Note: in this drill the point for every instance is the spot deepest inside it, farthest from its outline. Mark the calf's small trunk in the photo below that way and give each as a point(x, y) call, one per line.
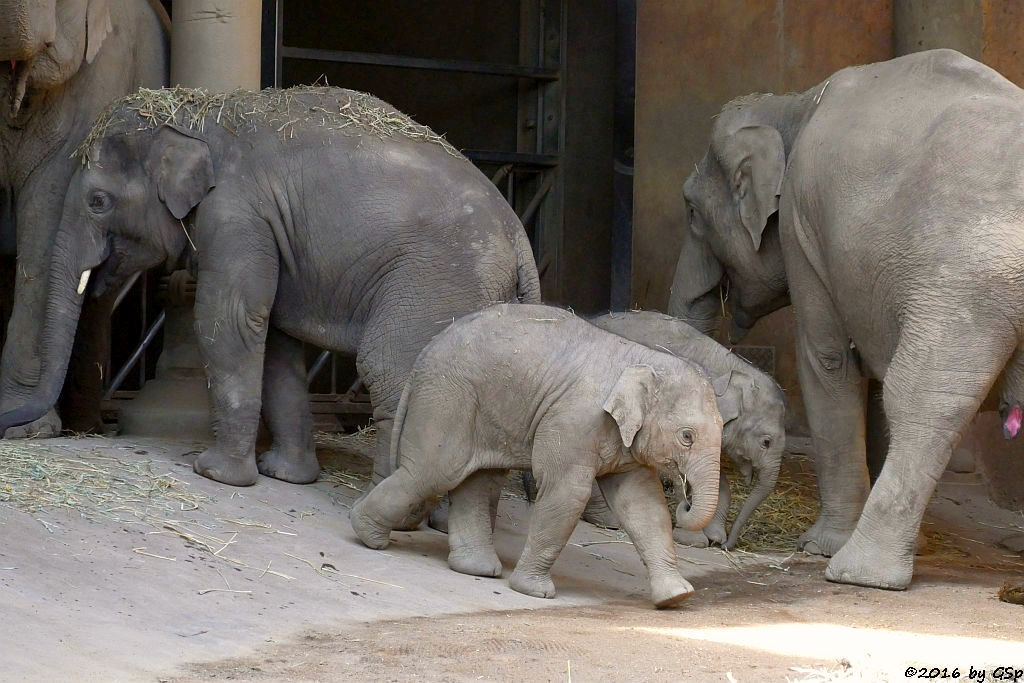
point(765, 485)
point(701, 472)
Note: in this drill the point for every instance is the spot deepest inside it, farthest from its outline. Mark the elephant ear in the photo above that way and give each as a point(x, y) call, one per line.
point(97, 26)
point(728, 395)
point(183, 170)
point(754, 160)
point(627, 402)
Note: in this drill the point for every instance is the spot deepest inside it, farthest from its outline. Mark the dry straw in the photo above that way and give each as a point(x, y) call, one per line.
point(242, 112)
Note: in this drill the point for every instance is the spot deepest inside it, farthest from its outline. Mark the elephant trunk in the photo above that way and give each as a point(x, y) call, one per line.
point(765, 485)
point(701, 473)
point(63, 305)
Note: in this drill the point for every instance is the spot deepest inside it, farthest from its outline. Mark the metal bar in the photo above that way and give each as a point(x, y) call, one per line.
point(124, 290)
point(500, 174)
point(520, 159)
point(136, 354)
point(430, 64)
point(318, 365)
point(279, 40)
point(535, 201)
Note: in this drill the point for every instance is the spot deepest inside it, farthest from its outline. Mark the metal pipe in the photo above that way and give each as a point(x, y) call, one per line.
point(401, 62)
point(124, 290)
point(318, 365)
point(534, 204)
point(139, 350)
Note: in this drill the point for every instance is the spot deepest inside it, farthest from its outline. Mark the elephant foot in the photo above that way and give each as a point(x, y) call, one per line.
point(863, 563)
point(475, 561)
point(46, 427)
point(695, 539)
point(669, 589)
point(822, 540)
point(438, 519)
point(531, 584)
point(372, 534)
point(715, 533)
point(227, 469)
point(300, 467)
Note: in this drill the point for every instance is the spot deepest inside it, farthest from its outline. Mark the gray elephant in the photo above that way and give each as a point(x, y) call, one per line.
point(314, 214)
point(886, 203)
point(61, 63)
point(752, 406)
point(535, 387)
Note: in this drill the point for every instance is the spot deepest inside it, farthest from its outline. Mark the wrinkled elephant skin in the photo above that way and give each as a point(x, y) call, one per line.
point(534, 387)
point(61, 63)
point(884, 202)
point(307, 220)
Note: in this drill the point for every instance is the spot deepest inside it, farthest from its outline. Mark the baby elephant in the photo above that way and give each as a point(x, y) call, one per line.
point(752, 405)
point(534, 387)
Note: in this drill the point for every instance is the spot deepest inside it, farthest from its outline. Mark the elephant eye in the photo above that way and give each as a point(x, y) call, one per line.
point(100, 202)
point(766, 443)
point(686, 437)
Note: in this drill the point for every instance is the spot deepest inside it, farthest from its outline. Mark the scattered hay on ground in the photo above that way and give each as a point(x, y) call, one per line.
point(36, 477)
point(788, 512)
point(247, 111)
point(346, 460)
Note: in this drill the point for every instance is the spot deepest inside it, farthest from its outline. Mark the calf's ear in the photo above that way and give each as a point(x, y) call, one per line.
point(182, 169)
point(628, 401)
point(728, 395)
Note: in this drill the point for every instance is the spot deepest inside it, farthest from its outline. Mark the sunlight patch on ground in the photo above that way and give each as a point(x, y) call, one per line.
point(891, 652)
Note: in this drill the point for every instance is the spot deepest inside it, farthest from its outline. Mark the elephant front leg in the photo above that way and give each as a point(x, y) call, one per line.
point(471, 514)
point(234, 295)
point(637, 499)
point(562, 494)
point(292, 456)
point(831, 384)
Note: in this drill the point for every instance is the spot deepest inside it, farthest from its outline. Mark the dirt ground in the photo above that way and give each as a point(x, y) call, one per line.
point(121, 564)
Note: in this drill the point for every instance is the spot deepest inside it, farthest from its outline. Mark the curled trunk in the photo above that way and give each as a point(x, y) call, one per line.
point(695, 297)
point(701, 472)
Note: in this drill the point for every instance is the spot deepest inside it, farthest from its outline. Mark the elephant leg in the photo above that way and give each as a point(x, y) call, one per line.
point(234, 297)
point(876, 430)
point(598, 512)
point(562, 494)
point(292, 455)
point(831, 384)
point(933, 387)
point(390, 503)
point(471, 516)
point(638, 501)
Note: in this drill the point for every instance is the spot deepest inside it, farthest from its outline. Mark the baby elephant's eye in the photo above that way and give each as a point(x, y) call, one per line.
point(686, 437)
point(100, 202)
point(766, 443)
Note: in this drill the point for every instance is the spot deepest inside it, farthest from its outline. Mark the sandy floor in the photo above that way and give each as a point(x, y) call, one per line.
point(173, 577)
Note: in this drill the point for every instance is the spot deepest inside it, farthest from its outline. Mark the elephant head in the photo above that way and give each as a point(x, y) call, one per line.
point(668, 419)
point(44, 42)
point(753, 435)
point(122, 214)
point(732, 200)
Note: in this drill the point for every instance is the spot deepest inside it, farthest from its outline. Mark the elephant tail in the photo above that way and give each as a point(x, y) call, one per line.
point(396, 429)
point(527, 280)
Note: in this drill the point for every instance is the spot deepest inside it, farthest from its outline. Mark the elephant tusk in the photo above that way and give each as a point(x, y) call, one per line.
point(85, 280)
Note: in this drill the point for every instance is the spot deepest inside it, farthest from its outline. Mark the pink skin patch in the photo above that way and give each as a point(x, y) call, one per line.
point(1013, 421)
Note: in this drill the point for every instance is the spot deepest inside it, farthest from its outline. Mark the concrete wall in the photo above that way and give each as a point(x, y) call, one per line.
point(694, 56)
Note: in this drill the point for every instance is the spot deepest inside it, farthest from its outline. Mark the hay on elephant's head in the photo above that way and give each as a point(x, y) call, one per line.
point(247, 111)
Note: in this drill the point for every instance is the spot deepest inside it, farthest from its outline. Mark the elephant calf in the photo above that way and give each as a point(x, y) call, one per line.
point(752, 405)
point(534, 387)
point(312, 214)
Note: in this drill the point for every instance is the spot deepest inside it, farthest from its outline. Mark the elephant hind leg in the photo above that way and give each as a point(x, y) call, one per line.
point(474, 505)
point(292, 456)
point(389, 504)
point(932, 389)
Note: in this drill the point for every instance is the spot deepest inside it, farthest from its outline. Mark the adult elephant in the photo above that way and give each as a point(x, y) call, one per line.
point(61, 63)
point(888, 203)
